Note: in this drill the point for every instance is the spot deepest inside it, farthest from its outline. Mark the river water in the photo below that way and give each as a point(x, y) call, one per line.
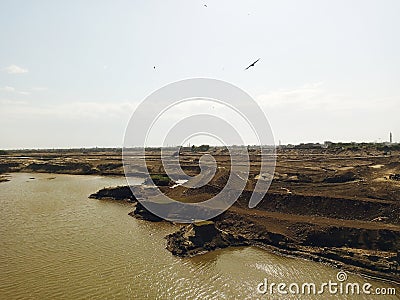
point(55, 243)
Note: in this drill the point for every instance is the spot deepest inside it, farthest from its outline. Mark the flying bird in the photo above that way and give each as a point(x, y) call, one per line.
point(252, 65)
point(205, 5)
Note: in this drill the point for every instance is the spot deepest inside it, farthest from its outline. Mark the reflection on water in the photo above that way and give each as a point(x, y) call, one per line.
point(57, 243)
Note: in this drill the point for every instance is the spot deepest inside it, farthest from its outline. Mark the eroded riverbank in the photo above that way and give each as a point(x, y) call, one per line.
point(357, 245)
point(57, 243)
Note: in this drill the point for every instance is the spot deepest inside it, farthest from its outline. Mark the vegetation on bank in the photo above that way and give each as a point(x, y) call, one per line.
point(390, 147)
point(352, 146)
point(201, 148)
point(161, 180)
point(360, 146)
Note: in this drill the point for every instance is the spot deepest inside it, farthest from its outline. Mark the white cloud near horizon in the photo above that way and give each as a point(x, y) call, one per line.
point(10, 89)
point(306, 95)
point(14, 69)
point(7, 89)
point(67, 111)
point(8, 102)
point(315, 96)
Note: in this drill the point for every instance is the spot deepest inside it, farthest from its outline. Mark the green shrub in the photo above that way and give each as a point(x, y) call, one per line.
point(201, 148)
point(161, 180)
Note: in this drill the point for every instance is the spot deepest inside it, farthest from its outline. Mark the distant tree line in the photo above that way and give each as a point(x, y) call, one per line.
point(201, 148)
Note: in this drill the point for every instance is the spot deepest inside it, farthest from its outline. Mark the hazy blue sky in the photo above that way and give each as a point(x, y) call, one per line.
point(71, 72)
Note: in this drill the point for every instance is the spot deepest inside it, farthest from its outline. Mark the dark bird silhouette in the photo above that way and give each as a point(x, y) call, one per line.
point(252, 65)
point(205, 5)
point(154, 67)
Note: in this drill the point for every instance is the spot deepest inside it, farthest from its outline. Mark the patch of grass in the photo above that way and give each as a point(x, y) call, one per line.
point(160, 179)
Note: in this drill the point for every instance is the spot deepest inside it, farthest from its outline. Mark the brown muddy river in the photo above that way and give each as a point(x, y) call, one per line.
point(55, 243)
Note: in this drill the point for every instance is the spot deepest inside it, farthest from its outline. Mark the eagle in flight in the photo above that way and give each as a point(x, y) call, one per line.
point(252, 65)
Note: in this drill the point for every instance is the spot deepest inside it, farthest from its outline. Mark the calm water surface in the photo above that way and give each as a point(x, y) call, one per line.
point(55, 243)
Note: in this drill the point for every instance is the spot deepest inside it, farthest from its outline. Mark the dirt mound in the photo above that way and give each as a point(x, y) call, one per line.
point(342, 177)
point(110, 168)
point(332, 207)
point(336, 236)
point(67, 167)
point(9, 167)
point(115, 193)
point(142, 213)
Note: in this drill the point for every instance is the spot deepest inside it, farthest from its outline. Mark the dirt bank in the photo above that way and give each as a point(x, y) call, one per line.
point(359, 244)
point(3, 178)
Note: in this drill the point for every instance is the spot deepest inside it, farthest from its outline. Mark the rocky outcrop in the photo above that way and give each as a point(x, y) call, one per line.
point(142, 213)
point(201, 237)
point(124, 193)
point(115, 193)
